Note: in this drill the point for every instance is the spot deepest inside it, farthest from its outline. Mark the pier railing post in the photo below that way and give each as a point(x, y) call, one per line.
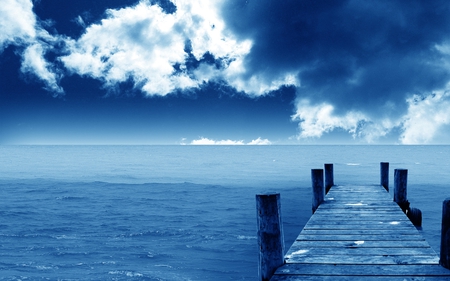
point(318, 188)
point(384, 175)
point(329, 177)
point(400, 188)
point(445, 235)
point(270, 234)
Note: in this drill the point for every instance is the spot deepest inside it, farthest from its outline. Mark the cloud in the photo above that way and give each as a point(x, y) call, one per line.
point(316, 120)
point(260, 141)
point(358, 63)
point(34, 62)
point(163, 52)
point(319, 119)
point(17, 22)
point(425, 117)
point(370, 69)
point(21, 28)
point(206, 141)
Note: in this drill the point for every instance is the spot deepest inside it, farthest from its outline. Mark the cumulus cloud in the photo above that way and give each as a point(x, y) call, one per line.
point(425, 117)
point(260, 141)
point(161, 52)
point(17, 22)
point(316, 120)
point(206, 141)
point(20, 27)
point(34, 62)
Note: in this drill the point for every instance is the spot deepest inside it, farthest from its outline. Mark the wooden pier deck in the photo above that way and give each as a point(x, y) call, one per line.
point(359, 233)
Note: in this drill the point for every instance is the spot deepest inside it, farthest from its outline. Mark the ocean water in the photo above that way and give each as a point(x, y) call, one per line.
point(177, 212)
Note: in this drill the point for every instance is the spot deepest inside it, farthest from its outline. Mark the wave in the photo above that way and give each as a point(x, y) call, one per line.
point(244, 237)
point(71, 198)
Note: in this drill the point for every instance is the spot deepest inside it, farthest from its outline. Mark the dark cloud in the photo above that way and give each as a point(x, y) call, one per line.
point(353, 54)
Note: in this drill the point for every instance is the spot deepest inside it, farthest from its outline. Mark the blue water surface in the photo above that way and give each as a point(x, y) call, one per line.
point(176, 212)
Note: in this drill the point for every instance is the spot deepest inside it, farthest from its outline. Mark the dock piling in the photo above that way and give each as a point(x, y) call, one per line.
point(270, 234)
point(445, 235)
point(329, 177)
point(400, 197)
point(318, 188)
point(400, 188)
point(384, 175)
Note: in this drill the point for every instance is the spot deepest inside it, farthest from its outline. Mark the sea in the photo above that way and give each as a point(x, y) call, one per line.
point(178, 212)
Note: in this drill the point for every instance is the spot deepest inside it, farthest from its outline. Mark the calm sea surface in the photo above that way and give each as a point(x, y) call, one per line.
point(177, 212)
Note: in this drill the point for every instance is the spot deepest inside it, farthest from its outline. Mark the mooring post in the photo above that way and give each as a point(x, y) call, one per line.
point(270, 234)
point(329, 177)
point(400, 197)
point(400, 188)
point(445, 235)
point(384, 175)
point(318, 188)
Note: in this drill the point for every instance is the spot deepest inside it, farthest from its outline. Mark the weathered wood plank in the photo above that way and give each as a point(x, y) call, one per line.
point(362, 213)
point(368, 195)
point(368, 211)
point(320, 220)
point(361, 260)
point(357, 278)
point(357, 200)
point(351, 237)
point(358, 221)
point(357, 205)
point(367, 192)
point(370, 233)
point(362, 270)
point(361, 244)
point(298, 250)
point(355, 227)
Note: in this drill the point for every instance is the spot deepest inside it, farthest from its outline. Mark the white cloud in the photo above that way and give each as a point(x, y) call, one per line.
point(34, 62)
point(142, 43)
point(422, 124)
point(256, 84)
point(19, 26)
point(260, 141)
point(317, 120)
point(425, 117)
point(17, 22)
point(206, 141)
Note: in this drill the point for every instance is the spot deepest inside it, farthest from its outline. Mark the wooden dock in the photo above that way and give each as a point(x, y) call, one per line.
point(359, 233)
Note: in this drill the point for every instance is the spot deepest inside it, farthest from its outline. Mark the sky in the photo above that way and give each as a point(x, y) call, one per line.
point(253, 72)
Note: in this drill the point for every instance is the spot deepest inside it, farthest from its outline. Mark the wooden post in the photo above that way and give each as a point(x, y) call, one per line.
point(415, 216)
point(329, 177)
point(270, 234)
point(384, 175)
point(445, 235)
point(318, 188)
point(400, 188)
